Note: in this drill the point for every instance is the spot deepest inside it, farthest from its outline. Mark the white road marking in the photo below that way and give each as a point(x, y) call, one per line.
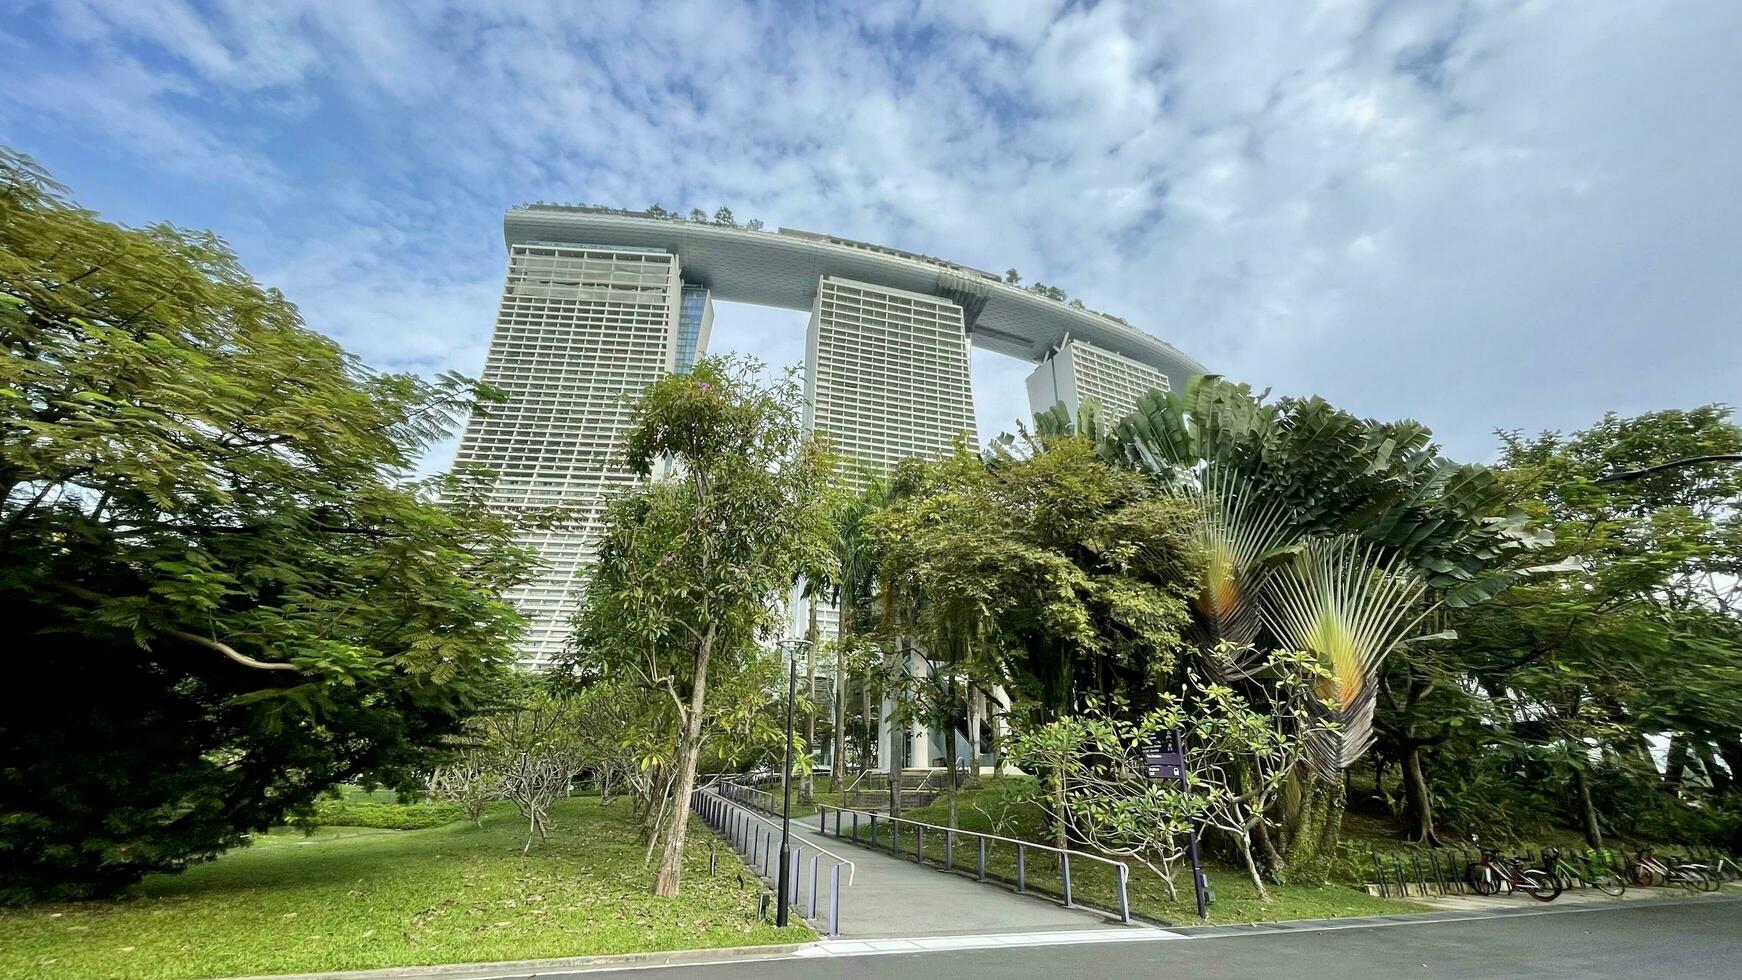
point(880, 947)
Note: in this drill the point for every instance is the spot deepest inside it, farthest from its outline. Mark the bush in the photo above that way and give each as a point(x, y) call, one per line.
point(385, 816)
point(222, 591)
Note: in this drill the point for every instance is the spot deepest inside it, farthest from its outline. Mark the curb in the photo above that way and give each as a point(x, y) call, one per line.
point(503, 970)
point(1439, 915)
point(565, 964)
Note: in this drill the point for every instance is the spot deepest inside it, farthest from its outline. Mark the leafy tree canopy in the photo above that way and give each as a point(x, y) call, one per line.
point(225, 589)
point(681, 600)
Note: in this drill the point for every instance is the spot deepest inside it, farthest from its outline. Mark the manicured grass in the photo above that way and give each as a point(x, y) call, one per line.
point(1005, 807)
point(351, 898)
point(386, 816)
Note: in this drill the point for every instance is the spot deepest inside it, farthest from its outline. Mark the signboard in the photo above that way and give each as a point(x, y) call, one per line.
point(1162, 758)
point(1162, 765)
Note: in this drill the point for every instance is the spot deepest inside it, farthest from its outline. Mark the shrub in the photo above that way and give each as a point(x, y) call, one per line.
point(385, 816)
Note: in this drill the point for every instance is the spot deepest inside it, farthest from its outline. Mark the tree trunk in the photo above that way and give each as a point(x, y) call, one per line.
point(950, 748)
point(867, 758)
point(1416, 799)
point(1060, 803)
point(992, 723)
point(1244, 843)
point(1675, 763)
point(808, 789)
point(1272, 858)
point(689, 753)
point(838, 768)
point(1587, 810)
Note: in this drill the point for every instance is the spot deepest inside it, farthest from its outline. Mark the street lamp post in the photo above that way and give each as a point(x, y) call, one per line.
point(782, 898)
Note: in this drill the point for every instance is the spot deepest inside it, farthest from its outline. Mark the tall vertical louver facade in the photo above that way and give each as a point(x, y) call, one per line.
point(1078, 370)
point(580, 332)
point(599, 302)
point(886, 379)
point(886, 375)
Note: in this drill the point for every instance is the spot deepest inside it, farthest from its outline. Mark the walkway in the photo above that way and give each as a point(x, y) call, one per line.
point(892, 896)
point(896, 897)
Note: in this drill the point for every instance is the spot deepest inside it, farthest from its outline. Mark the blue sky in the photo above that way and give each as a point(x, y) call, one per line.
point(1476, 214)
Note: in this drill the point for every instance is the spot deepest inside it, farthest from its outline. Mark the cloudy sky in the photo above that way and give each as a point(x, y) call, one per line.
point(1476, 214)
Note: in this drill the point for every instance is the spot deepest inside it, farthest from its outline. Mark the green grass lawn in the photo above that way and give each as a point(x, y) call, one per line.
point(353, 898)
point(1006, 807)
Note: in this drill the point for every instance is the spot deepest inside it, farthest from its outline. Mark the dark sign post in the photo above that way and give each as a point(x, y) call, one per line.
point(1164, 758)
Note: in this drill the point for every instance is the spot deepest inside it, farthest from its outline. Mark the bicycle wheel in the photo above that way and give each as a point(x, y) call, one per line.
point(1644, 875)
point(1609, 883)
point(1541, 885)
point(1685, 877)
point(1701, 879)
point(1483, 881)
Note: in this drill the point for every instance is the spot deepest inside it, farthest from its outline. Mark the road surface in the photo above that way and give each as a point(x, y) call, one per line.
point(1693, 939)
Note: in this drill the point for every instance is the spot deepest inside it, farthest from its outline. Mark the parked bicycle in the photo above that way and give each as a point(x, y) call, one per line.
point(1591, 869)
point(1492, 873)
point(1648, 869)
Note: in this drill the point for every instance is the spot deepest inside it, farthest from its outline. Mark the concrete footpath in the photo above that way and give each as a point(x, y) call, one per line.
point(892, 896)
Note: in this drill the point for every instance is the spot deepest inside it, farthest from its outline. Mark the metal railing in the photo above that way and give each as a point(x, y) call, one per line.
point(870, 821)
point(761, 799)
point(758, 839)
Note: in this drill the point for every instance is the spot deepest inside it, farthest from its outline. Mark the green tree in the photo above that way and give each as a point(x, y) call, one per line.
point(1328, 532)
point(679, 599)
point(1098, 789)
point(852, 586)
point(1325, 533)
point(1040, 567)
point(211, 543)
point(1643, 640)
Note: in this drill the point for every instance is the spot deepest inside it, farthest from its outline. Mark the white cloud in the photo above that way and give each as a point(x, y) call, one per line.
point(1477, 214)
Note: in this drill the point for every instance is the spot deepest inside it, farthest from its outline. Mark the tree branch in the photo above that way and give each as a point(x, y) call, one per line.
point(232, 653)
point(180, 634)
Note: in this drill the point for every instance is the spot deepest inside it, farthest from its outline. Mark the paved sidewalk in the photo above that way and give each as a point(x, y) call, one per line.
point(892, 896)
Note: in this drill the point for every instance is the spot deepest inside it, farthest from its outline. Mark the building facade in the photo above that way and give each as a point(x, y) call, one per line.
point(886, 376)
point(580, 331)
point(599, 303)
point(1079, 370)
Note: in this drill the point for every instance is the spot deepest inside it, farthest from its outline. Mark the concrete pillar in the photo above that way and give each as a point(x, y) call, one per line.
point(921, 754)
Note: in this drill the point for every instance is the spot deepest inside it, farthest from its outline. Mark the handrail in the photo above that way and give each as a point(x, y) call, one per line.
point(950, 833)
point(754, 837)
point(851, 867)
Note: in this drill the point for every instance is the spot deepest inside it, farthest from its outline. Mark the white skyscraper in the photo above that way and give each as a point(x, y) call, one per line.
point(600, 302)
point(581, 331)
point(886, 378)
point(886, 374)
point(1079, 370)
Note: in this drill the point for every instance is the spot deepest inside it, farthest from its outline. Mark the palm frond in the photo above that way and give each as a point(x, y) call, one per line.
point(1350, 603)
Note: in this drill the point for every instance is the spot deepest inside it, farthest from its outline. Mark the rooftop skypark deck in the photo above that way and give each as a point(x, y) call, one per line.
point(782, 269)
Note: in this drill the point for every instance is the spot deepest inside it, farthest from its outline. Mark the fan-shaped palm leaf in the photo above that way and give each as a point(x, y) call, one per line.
point(1239, 529)
point(1350, 603)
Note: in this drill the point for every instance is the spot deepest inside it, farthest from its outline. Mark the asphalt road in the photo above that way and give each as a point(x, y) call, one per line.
point(1669, 940)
